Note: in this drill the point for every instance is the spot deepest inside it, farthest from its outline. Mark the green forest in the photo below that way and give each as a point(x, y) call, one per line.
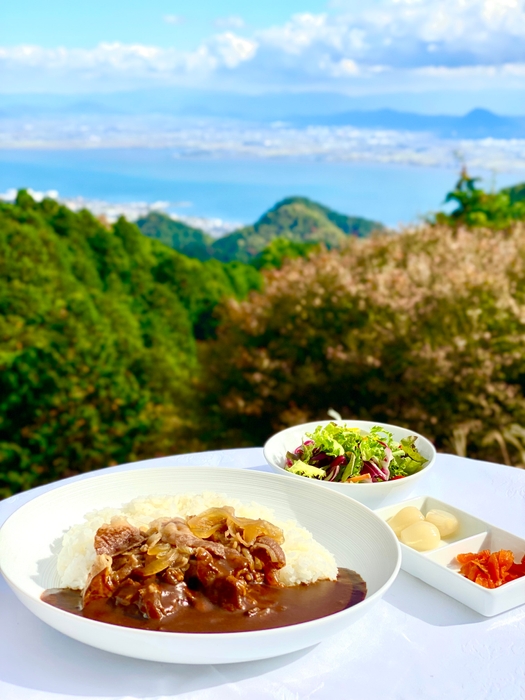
point(130, 341)
point(99, 329)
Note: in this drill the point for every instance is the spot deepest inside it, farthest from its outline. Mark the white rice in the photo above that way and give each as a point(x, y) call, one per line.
point(306, 560)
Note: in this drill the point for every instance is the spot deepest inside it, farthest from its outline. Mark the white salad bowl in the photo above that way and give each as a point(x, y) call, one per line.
point(372, 495)
point(356, 536)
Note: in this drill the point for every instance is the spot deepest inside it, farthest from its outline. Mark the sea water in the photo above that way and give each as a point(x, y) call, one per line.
point(235, 189)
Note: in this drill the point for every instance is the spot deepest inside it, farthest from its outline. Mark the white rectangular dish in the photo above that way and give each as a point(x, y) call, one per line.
point(440, 569)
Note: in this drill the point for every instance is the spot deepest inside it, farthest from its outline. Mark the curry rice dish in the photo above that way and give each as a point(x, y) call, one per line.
point(219, 571)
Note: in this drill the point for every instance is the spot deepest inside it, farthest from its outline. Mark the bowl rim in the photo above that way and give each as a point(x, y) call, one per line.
point(357, 423)
point(157, 634)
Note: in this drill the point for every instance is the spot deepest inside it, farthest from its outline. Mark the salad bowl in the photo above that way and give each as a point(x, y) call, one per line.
point(371, 494)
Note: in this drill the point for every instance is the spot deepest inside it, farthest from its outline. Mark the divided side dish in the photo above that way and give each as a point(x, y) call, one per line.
point(440, 569)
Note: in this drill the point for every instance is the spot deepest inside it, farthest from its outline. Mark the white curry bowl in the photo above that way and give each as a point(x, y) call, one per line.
point(355, 535)
point(372, 495)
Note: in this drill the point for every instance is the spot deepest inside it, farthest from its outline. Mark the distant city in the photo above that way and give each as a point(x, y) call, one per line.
point(315, 126)
point(228, 138)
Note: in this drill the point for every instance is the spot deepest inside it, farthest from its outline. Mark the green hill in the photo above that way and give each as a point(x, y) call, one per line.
point(296, 219)
point(97, 340)
point(179, 236)
point(516, 193)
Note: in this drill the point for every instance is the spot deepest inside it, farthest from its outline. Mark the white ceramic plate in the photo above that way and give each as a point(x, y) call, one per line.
point(372, 495)
point(358, 538)
point(440, 569)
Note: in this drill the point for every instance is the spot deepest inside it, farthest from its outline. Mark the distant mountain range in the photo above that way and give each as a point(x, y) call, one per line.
point(296, 219)
point(478, 123)
point(296, 109)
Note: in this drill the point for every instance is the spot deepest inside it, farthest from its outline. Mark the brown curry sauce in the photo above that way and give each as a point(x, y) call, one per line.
point(273, 607)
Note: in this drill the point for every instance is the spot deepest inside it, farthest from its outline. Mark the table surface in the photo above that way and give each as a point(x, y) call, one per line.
point(415, 643)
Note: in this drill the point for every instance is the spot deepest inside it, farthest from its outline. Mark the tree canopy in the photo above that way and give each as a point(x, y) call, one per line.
point(176, 234)
point(424, 329)
point(98, 332)
point(477, 208)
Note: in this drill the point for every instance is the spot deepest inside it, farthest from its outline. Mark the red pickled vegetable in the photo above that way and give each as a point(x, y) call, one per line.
point(491, 569)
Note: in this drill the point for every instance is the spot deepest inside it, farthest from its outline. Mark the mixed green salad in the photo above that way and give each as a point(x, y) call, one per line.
point(341, 453)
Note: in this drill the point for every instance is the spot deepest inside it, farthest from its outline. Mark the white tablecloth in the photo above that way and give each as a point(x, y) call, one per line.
point(416, 643)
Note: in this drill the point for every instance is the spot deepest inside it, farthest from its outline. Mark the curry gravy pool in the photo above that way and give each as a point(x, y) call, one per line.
point(274, 607)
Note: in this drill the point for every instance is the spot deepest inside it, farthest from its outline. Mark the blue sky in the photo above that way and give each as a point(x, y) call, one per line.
point(162, 23)
point(378, 47)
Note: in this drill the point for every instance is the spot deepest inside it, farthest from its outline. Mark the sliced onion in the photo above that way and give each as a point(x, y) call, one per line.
point(159, 564)
point(372, 469)
point(213, 519)
point(382, 466)
point(257, 528)
point(160, 549)
point(335, 466)
point(154, 567)
point(387, 458)
point(339, 460)
point(333, 472)
point(205, 524)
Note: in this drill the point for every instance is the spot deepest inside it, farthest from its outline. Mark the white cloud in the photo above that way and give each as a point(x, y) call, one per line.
point(173, 19)
point(398, 44)
point(301, 32)
point(401, 44)
point(473, 72)
point(233, 49)
point(232, 22)
point(115, 59)
point(411, 33)
point(345, 67)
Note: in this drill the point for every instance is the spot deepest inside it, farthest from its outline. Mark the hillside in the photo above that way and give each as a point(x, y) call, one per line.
point(179, 236)
point(516, 193)
point(97, 340)
point(296, 219)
